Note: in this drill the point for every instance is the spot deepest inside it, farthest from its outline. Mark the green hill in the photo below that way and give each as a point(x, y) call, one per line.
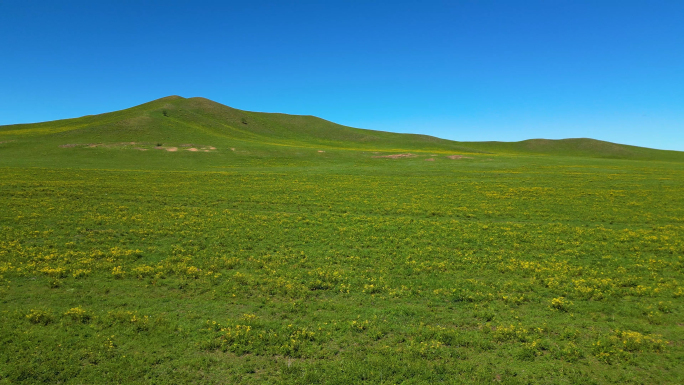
point(580, 147)
point(174, 120)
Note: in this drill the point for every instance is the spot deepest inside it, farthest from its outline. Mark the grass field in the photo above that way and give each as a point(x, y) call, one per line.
point(292, 250)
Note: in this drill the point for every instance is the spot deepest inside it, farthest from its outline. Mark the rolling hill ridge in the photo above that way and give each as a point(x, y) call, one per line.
point(174, 120)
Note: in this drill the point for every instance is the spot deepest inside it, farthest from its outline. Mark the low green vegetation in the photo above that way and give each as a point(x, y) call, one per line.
point(292, 257)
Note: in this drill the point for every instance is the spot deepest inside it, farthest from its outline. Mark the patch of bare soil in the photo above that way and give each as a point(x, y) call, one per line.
point(72, 145)
point(321, 151)
point(396, 156)
point(109, 145)
point(430, 159)
point(201, 149)
point(112, 145)
point(232, 149)
point(141, 146)
point(206, 148)
point(459, 157)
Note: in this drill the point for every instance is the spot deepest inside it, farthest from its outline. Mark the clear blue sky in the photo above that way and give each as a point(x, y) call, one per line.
point(475, 70)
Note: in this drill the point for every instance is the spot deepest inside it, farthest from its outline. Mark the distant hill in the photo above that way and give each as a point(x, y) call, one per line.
point(581, 147)
point(191, 120)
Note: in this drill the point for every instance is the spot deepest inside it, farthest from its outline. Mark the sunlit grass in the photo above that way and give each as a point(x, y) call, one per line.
point(482, 271)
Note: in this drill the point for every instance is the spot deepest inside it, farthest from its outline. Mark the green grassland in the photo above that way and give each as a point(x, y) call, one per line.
point(288, 249)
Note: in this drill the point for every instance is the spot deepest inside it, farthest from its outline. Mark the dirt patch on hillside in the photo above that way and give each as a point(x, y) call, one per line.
point(396, 156)
point(202, 149)
point(141, 146)
point(94, 145)
point(459, 157)
point(430, 159)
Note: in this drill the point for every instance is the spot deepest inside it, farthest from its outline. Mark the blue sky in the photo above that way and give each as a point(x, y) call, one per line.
point(472, 70)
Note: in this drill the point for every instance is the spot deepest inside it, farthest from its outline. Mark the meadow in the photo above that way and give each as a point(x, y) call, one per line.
point(293, 266)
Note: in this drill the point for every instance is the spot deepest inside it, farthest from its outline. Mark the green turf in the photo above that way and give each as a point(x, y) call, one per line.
point(266, 261)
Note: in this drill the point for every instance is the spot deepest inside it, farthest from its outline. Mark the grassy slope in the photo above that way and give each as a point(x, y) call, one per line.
point(347, 268)
point(199, 120)
point(577, 147)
